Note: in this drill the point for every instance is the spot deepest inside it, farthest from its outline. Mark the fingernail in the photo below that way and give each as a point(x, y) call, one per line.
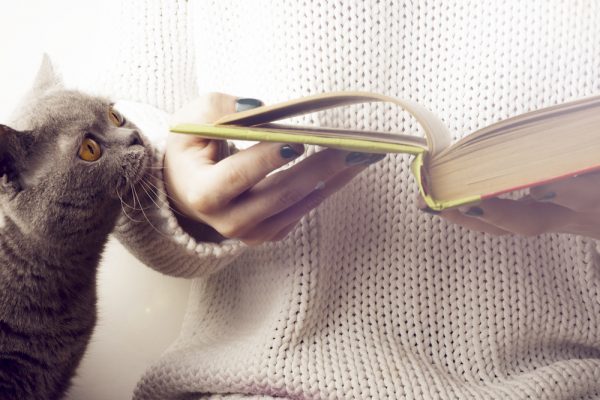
point(472, 211)
point(430, 211)
point(357, 158)
point(287, 151)
point(547, 197)
point(247, 103)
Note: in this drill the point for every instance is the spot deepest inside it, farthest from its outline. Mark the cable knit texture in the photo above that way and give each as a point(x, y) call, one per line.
point(369, 298)
point(154, 53)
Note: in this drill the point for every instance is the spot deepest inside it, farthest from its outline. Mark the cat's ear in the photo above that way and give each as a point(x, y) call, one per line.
point(10, 150)
point(47, 77)
point(45, 80)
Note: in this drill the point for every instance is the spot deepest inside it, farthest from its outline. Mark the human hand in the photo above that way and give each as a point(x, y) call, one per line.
point(568, 206)
point(238, 195)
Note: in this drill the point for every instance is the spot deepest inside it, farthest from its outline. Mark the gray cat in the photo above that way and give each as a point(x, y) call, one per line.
point(65, 164)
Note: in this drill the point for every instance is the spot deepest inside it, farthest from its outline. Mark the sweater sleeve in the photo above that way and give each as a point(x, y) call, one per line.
point(148, 226)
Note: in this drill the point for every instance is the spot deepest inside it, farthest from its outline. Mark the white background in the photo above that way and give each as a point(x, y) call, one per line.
point(140, 311)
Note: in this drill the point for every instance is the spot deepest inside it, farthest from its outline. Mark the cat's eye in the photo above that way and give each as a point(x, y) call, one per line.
point(115, 117)
point(89, 150)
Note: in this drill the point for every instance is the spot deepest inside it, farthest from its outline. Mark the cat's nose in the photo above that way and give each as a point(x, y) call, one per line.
point(135, 138)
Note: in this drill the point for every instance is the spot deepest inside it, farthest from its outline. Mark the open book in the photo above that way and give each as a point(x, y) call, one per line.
point(524, 151)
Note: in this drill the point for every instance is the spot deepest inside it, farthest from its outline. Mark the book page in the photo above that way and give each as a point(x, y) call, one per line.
point(437, 135)
point(502, 128)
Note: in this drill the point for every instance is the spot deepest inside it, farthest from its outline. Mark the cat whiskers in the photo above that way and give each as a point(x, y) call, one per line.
point(135, 195)
point(123, 208)
point(132, 207)
point(156, 190)
point(146, 186)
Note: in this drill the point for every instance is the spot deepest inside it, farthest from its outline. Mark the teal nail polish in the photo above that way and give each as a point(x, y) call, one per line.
point(474, 212)
point(286, 151)
point(247, 103)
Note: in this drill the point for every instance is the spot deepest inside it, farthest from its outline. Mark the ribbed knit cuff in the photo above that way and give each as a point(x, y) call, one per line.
point(153, 233)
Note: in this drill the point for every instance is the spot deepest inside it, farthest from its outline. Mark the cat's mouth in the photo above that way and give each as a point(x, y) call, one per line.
point(135, 166)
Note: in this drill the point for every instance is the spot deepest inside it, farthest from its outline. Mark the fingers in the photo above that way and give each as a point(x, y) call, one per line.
point(475, 224)
point(240, 196)
point(204, 109)
point(186, 155)
point(567, 206)
point(327, 170)
point(268, 211)
point(455, 216)
point(313, 199)
point(581, 193)
point(284, 232)
point(236, 174)
point(528, 218)
point(280, 224)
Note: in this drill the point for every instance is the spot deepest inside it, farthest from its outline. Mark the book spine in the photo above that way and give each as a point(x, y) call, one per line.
point(419, 171)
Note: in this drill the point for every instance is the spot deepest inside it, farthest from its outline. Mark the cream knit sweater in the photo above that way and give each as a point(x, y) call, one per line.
point(369, 298)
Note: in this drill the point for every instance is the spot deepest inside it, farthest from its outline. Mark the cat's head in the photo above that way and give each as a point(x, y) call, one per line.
point(67, 159)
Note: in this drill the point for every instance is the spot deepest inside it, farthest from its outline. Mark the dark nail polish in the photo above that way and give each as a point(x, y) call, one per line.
point(286, 151)
point(474, 212)
point(357, 158)
point(247, 103)
point(547, 197)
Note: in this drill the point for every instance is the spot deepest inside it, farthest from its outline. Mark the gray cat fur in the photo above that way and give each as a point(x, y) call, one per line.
point(56, 212)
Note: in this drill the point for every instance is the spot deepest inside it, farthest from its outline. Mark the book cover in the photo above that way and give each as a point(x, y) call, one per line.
point(523, 151)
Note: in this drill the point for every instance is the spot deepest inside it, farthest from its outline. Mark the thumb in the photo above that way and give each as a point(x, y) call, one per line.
point(205, 109)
